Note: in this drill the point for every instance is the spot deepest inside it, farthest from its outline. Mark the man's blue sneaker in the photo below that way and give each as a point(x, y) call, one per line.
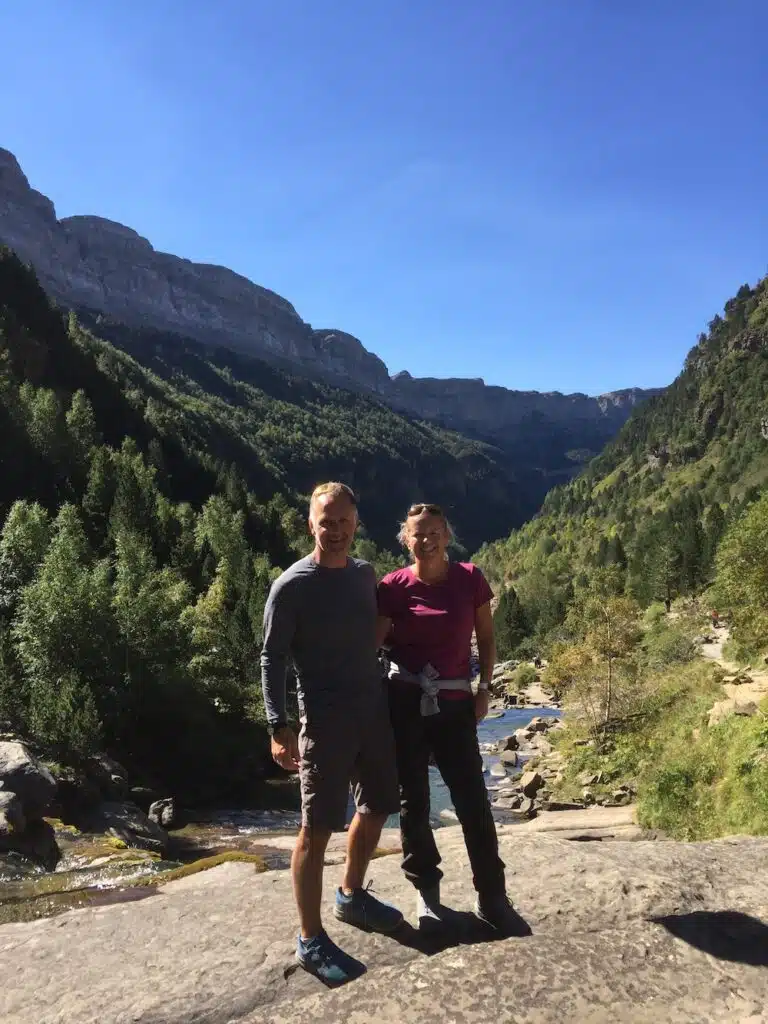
point(363, 910)
point(323, 958)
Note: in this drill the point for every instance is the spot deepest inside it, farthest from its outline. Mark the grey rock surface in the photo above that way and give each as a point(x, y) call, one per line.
point(723, 709)
point(91, 263)
point(622, 931)
point(126, 821)
point(163, 812)
point(11, 813)
point(24, 775)
point(36, 843)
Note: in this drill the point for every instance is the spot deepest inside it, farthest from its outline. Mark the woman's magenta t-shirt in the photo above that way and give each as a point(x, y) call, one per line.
point(432, 623)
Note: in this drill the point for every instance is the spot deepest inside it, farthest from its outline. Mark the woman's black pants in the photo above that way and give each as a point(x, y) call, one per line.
point(451, 737)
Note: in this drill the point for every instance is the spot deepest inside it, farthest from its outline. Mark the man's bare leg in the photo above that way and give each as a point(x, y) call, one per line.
point(307, 876)
point(364, 834)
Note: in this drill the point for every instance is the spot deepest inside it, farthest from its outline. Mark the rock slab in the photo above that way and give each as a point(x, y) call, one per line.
point(641, 931)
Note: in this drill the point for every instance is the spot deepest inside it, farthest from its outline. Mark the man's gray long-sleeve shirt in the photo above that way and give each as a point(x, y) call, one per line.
point(324, 620)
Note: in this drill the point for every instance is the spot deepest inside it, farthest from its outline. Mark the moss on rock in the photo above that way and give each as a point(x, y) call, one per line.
point(204, 863)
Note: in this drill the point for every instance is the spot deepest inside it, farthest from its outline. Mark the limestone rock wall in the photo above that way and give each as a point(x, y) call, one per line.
point(88, 262)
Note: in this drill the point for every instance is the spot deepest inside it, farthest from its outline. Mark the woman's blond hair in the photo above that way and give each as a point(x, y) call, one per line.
point(419, 509)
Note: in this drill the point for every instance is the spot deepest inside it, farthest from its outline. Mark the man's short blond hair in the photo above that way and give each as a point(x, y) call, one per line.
point(333, 489)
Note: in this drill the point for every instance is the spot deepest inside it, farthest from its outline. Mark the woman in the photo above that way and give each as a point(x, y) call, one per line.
point(427, 614)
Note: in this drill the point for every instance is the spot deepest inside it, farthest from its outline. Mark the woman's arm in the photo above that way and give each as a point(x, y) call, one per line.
point(486, 645)
point(383, 626)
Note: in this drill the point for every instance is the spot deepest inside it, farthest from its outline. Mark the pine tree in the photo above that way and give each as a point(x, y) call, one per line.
point(23, 543)
point(714, 528)
point(510, 623)
point(99, 496)
point(742, 576)
point(64, 633)
point(134, 506)
point(149, 604)
point(224, 659)
point(616, 554)
point(81, 424)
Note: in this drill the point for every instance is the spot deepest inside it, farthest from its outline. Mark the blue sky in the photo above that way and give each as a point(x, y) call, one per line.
point(554, 195)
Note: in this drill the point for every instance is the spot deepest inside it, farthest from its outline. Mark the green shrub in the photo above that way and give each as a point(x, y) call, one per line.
point(523, 676)
point(668, 645)
point(654, 614)
point(710, 782)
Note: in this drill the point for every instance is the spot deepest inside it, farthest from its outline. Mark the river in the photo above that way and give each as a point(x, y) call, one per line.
point(94, 870)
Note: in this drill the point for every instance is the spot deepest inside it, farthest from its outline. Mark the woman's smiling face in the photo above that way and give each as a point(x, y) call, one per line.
point(427, 537)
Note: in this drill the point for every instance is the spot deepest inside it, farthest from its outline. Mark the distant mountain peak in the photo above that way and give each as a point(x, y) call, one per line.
point(87, 262)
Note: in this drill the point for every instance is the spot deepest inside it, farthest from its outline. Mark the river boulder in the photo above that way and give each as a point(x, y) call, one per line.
point(21, 773)
point(531, 783)
point(12, 818)
point(163, 812)
point(126, 821)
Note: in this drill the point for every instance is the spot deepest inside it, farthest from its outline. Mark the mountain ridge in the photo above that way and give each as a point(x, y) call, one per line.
point(102, 267)
point(656, 503)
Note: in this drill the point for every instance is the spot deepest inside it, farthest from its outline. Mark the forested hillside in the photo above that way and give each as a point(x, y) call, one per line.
point(285, 432)
point(657, 502)
point(145, 508)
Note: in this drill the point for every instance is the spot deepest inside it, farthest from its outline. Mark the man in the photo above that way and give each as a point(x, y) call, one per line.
point(322, 614)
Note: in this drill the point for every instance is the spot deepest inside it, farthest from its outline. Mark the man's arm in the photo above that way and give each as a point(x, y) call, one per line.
point(486, 648)
point(279, 629)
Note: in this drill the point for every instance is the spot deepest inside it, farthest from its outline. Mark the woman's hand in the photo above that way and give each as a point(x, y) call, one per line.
point(481, 705)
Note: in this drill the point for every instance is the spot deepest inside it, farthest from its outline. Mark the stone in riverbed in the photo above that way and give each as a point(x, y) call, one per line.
point(508, 790)
point(508, 757)
point(12, 818)
point(37, 842)
point(531, 783)
point(127, 822)
point(143, 796)
point(538, 724)
point(24, 775)
point(109, 775)
point(508, 743)
point(497, 771)
point(163, 812)
point(517, 811)
point(541, 744)
point(511, 802)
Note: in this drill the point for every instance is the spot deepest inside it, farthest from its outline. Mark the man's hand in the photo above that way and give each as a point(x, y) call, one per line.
point(481, 705)
point(285, 749)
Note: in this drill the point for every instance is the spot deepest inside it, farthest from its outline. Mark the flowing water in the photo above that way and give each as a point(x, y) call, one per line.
point(99, 869)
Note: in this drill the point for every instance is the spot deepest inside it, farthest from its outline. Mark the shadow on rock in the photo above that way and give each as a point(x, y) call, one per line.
point(725, 934)
point(464, 930)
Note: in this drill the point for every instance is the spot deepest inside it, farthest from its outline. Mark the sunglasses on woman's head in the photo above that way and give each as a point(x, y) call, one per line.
point(432, 510)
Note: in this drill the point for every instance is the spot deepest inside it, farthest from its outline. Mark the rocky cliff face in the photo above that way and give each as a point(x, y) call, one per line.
point(94, 264)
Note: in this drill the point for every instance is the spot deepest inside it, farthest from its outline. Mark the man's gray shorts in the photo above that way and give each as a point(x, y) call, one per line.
point(347, 746)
